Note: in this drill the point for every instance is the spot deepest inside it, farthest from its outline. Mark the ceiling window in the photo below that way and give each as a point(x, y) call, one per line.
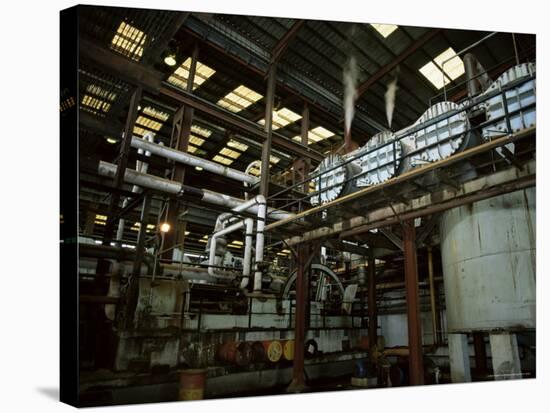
point(237, 145)
point(129, 41)
point(282, 117)
point(254, 171)
point(315, 135)
point(230, 153)
point(241, 98)
point(440, 74)
point(195, 140)
point(195, 150)
point(274, 160)
point(222, 159)
point(150, 119)
point(384, 29)
point(199, 130)
point(180, 76)
point(97, 100)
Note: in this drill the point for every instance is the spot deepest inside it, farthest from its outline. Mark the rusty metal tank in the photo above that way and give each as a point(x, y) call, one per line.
point(488, 253)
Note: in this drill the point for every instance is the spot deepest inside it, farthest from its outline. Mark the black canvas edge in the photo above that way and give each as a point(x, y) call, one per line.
point(68, 125)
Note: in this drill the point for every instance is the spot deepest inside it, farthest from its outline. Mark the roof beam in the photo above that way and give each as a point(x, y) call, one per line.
point(283, 43)
point(124, 68)
point(420, 42)
point(160, 44)
point(150, 79)
point(239, 122)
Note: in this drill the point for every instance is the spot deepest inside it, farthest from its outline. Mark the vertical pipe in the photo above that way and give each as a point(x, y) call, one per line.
point(266, 149)
point(249, 224)
point(416, 369)
point(260, 224)
point(298, 376)
point(371, 305)
point(432, 296)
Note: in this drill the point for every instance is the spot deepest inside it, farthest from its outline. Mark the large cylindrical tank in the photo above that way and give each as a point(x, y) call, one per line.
point(488, 254)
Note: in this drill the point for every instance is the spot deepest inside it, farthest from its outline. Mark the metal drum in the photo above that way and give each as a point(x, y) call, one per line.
point(488, 255)
point(520, 103)
point(192, 382)
point(334, 182)
point(381, 159)
point(288, 350)
point(273, 350)
point(444, 134)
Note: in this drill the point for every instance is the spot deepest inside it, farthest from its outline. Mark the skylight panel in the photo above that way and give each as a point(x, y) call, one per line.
point(315, 135)
point(453, 68)
point(223, 160)
point(181, 74)
point(129, 41)
point(230, 153)
point(239, 99)
point(199, 130)
point(154, 113)
point(237, 145)
point(274, 160)
point(282, 117)
point(384, 29)
point(195, 140)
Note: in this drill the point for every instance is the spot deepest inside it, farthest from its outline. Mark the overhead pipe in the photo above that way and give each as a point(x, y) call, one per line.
point(175, 188)
point(140, 167)
point(191, 160)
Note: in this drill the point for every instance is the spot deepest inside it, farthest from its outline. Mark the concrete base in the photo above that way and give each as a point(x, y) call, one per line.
point(504, 351)
point(459, 358)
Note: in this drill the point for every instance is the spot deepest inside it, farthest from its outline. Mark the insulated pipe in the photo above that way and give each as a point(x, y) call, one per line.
point(174, 188)
point(249, 224)
point(191, 160)
point(262, 209)
point(140, 167)
point(213, 239)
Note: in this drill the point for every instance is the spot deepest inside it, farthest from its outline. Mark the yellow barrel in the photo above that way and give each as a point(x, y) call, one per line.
point(192, 383)
point(288, 350)
point(273, 350)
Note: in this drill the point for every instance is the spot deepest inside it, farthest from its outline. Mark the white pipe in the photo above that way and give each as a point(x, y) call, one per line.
point(213, 239)
point(140, 167)
point(174, 188)
point(187, 159)
point(262, 209)
point(249, 223)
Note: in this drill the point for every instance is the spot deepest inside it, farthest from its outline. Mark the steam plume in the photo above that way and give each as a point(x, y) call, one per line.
point(389, 97)
point(350, 93)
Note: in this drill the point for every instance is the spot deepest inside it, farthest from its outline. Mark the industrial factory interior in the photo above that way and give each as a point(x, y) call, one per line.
point(272, 205)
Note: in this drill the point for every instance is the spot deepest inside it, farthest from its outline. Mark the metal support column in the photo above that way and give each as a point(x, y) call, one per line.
point(181, 132)
point(433, 307)
point(371, 305)
point(266, 149)
point(416, 369)
point(480, 353)
point(459, 358)
point(122, 163)
point(505, 355)
point(298, 376)
point(133, 282)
